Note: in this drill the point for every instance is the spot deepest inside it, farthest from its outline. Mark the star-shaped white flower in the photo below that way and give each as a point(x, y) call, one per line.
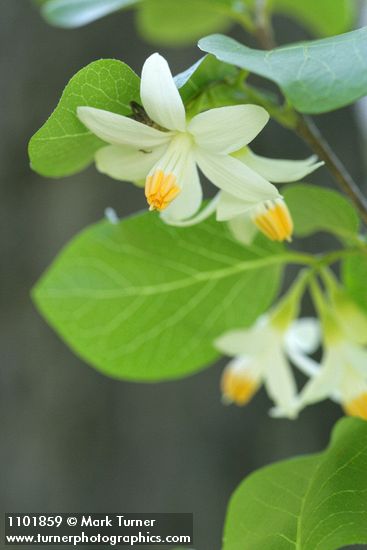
point(168, 153)
point(260, 354)
point(342, 374)
point(259, 358)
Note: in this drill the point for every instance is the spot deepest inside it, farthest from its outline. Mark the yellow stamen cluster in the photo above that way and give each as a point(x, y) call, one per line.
point(236, 387)
point(160, 190)
point(275, 222)
point(357, 407)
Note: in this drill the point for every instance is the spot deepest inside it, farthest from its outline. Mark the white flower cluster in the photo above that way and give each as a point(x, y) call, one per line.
point(261, 356)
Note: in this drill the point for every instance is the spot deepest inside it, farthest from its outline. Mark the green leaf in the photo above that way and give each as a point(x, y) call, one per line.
point(76, 13)
point(315, 76)
point(177, 22)
point(141, 300)
point(63, 145)
point(323, 18)
point(354, 272)
point(315, 209)
point(309, 503)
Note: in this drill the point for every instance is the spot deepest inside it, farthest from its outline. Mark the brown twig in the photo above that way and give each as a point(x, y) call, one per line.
point(306, 128)
point(263, 29)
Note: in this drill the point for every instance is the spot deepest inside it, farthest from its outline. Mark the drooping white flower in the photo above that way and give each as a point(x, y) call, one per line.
point(271, 217)
point(167, 152)
point(342, 374)
point(260, 356)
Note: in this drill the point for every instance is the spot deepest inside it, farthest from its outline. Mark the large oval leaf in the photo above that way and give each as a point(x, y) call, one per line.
point(309, 503)
point(316, 76)
point(64, 145)
point(144, 301)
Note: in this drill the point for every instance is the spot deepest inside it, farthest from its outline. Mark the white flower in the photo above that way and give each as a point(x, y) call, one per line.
point(259, 358)
point(271, 217)
point(342, 374)
point(260, 354)
point(168, 152)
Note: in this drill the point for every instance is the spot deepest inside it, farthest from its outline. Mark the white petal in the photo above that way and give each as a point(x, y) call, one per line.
point(243, 229)
point(126, 163)
point(326, 382)
point(277, 170)
point(205, 213)
point(227, 129)
point(241, 342)
point(304, 335)
point(356, 357)
point(303, 338)
point(232, 176)
point(304, 363)
point(244, 365)
point(353, 384)
point(240, 380)
point(230, 207)
point(159, 94)
point(353, 321)
point(190, 198)
point(280, 383)
point(121, 130)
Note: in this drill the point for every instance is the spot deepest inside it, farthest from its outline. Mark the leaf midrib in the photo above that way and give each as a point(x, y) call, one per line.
point(172, 286)
point(303, 502)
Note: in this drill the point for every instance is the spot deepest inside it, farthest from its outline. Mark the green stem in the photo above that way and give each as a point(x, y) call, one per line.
point(287, 308)
point(317, 297)
point(317, 263)
point(337, 255)
point(284, 114)
point(242, 17)
point(330, 281)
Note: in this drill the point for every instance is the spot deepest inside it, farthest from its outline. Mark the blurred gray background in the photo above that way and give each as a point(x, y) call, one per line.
point(71, 439)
